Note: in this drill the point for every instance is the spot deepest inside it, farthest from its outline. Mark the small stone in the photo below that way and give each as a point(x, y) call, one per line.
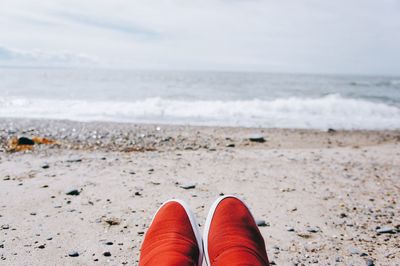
point(303, 235)
point(112, 221)
point(230, 145)
point(109, 243)
point(188, 186)
point(107, 254)
point(343, 215)
point(369, 262)
point(386, 230)
point(257, 138)
point(25, 141)
point(77, 160)
point(5, 227)
point(290, 229)
point(262, 223)
point(312, 229)
point(331, 130)
point(41, 246)
point(73, 254)
point(72, 192)
point(354, 251)
point(6, 178)
point(45, 166)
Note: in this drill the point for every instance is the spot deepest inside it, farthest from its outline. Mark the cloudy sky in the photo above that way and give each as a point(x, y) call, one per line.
point(312, 36)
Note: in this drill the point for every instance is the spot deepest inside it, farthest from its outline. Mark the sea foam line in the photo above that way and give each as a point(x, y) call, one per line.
point(332, 111)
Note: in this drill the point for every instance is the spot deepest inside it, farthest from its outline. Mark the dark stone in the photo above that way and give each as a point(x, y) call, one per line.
point(5, 227)
point(109, 243)
point(188, 186)
point(230, 145)
point(261, 223)
point(331, 130)
point(25, 141)
point(290, 229)
point(73, 254)
point(45, 166)
point(107, 254)
point(73, 192)
point(41, 246)
point(257, 138)
point(386, 230)
point(74, 160)
point(313, 229)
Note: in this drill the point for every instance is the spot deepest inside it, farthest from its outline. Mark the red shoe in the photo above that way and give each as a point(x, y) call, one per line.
point(173, 237)
point(231, 236)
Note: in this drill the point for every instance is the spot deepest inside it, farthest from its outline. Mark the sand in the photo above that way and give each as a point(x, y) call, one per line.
point(323, 195)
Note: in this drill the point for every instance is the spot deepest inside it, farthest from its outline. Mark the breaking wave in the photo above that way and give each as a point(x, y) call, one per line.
point(332, 111)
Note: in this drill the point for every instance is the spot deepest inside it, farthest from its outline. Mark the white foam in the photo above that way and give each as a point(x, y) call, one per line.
point(332, 111)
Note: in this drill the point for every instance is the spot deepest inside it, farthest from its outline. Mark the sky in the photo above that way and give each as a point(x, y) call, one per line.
point(296, 36)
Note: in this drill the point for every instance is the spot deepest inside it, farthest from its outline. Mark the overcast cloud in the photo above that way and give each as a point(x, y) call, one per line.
point(313, 36)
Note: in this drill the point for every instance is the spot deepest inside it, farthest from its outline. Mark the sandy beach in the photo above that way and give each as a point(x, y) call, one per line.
point(327, 198)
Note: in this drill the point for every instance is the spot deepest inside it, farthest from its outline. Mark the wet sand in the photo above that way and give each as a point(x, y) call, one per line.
point(328, 198)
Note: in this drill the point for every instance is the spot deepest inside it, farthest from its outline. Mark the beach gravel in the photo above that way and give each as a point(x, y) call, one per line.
point(330, 198)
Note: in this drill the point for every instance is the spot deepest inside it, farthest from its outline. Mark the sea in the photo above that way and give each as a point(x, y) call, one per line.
point(243, 99)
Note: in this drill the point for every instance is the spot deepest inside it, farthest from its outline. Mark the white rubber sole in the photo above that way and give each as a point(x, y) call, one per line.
point(208, 223)
point(193, 223)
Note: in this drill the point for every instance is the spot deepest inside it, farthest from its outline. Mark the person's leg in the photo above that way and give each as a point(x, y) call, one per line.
point(173, 237)
point(231, 236)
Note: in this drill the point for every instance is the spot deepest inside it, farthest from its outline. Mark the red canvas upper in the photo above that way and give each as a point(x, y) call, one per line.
point(170, 240)
point(233, 237)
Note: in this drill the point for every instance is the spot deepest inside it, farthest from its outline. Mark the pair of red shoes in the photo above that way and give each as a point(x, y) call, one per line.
point(231, 236)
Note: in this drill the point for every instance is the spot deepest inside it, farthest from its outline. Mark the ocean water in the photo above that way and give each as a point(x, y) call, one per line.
point(202, 98)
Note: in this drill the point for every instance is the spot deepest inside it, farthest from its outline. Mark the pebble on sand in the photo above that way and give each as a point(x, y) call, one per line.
point(73, 192)
point(188, 186)
point(386, 230)
point(73, 254)
point(313, 229)
point(257, 138)
point(5, 227)
point(107, 254)
point(370, 262)
point(262, 223)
